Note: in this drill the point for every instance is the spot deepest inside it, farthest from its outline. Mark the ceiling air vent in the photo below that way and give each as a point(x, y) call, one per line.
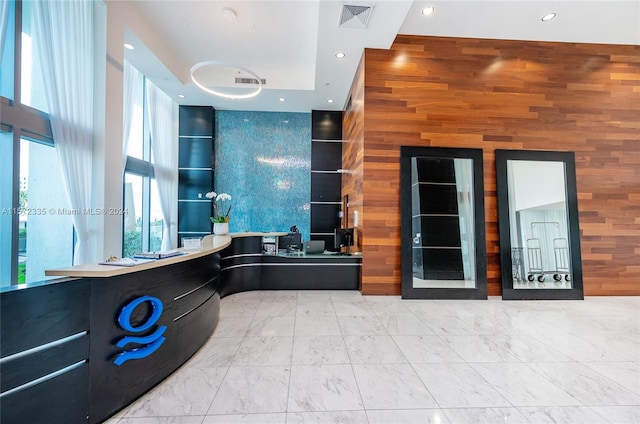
point(355, 16)
point(250, 81)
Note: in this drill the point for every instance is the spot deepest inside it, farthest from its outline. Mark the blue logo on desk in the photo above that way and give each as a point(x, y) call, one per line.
point(151, 342)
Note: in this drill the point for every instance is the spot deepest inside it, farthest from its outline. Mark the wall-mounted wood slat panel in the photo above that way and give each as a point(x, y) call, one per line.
point(353, 154)
point(499, 94)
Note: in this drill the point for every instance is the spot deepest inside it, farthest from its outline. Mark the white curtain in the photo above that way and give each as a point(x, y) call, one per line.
point(132, 83)
point(464, 187)
point(63, 31)
point(4, 23)
point(164, 148)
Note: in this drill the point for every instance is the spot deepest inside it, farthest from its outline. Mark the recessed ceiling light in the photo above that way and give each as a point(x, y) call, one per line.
point(340, 55)
point(548, 17)
point(182, 96)
point(281, 99)
point(128, 46)
point(428, 10)
point(330, 101)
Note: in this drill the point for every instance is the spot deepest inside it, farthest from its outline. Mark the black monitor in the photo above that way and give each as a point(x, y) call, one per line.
point(343, 237)
point(290, 242)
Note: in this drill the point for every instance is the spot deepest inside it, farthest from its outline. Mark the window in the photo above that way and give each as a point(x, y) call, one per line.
point(143, 224)
point(7, 48)
point(32, 87)
point(45, 230)
point(36, 232)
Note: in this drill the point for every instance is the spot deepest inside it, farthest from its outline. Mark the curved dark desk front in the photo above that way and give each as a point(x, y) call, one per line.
point(67, 349)
point(244, 267)
point(61, 340)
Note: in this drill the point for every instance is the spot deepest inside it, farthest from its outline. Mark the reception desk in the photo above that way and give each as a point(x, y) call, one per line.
point(80, 348)
point(244, 267)
point(71, 350)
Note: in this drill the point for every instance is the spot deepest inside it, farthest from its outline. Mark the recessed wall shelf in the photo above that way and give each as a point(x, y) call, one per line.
point(326, 180)
point(195, 169)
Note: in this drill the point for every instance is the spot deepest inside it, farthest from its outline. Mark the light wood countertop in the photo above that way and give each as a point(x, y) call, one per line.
point(210, 244)
point(257, 234)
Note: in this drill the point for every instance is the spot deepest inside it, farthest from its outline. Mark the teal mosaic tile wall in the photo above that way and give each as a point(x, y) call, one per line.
point(263, 160)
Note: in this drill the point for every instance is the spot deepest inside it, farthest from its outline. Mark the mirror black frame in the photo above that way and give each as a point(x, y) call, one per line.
point(408, 291)
point(508, 291)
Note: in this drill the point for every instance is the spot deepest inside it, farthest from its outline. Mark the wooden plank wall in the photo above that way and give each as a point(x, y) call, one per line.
point(352, 152)
point(498, 94)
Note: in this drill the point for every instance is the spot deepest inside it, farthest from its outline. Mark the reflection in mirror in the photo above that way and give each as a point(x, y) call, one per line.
point(442, 222)
point(538, 222)
point(443, 242)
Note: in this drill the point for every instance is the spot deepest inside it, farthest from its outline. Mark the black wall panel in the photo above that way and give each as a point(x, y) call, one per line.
point(438, 199)
point(196, 121)
point(326, 125)
point(324, 218)
point(435, 204)
point(195, 153)
point(324, 187)
point(193, 182)
point(194, 217)
point(196, 150)
point(440, 231)
point(326, 156)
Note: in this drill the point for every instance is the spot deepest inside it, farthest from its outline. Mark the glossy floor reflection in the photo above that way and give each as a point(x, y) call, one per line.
point(339, 357)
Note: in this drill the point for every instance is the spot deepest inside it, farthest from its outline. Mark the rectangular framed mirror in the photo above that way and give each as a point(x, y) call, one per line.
point(442, 223)
point(538, 224)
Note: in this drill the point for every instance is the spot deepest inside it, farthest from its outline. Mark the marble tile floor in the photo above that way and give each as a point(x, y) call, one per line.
point(299, 357)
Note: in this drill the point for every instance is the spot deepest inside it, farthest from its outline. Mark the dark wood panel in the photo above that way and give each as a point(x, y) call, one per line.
point(242, 276)
point(309, 277)
point(63, 399)
point(500, 94)
point(242, 245)
point(31, 367)
point(34, 317)
point(41, 315)
point(183, 336)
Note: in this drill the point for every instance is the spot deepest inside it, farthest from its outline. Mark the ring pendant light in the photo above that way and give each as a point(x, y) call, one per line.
point(220, 93)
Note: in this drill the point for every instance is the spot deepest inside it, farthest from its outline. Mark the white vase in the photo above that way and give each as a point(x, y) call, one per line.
point(220, 228)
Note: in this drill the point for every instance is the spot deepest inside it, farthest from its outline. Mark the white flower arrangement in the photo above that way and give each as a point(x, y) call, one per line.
point(219, 206)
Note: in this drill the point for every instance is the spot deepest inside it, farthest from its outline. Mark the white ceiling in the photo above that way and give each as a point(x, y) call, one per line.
point(292, 44)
